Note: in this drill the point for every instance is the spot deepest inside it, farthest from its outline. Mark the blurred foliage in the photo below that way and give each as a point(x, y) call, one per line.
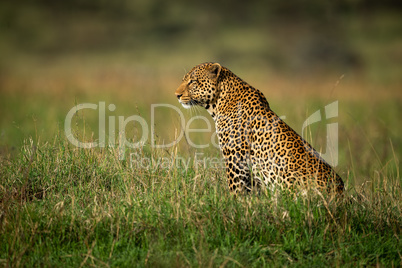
point(314, 32)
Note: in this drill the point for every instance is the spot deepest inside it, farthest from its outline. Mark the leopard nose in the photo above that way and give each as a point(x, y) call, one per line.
point(179, 95)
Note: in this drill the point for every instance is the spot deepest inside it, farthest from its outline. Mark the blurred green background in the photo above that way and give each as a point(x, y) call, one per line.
point(302, 55)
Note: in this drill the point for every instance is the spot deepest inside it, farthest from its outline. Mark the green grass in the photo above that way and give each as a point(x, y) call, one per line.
point(63, 206)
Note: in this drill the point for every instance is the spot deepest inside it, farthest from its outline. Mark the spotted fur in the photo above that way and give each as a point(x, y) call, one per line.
point(257, 146)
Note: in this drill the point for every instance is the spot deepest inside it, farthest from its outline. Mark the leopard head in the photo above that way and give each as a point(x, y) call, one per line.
point(200, 85)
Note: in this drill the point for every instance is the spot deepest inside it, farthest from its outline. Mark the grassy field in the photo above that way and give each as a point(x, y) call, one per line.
point(65, 206)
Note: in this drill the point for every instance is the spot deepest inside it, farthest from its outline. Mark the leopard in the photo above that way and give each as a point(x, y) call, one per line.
point(258, 147)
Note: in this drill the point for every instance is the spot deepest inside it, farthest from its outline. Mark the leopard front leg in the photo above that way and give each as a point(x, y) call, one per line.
point(232, 135)
point(237, 171)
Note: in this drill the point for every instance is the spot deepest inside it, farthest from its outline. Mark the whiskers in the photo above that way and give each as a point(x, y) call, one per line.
point(194, 108)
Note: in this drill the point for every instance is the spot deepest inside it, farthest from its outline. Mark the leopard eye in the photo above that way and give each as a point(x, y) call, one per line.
point(192, 81)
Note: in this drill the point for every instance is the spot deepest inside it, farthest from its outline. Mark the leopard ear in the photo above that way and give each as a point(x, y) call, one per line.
point(214, 70)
